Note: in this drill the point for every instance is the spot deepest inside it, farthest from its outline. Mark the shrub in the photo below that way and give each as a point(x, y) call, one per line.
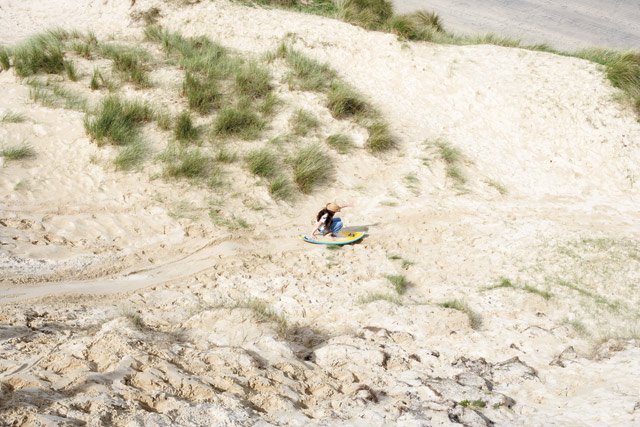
point(17, 152)
point(311, 166)
point(345, 101)
point(302, 122)
point(40, 53)
point(118, 121)
point(340, 142)
point(380, 139)
point(238, 122)
point(184, 130)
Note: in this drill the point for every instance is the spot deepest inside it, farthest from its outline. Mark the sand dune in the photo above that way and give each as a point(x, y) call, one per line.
point(125, 304)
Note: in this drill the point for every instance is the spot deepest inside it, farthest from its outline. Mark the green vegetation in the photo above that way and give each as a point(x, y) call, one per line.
point(380, 297)
point(71, 71)
point(202, 92)
point(307, 73)
point(344, 101)
point(340, 142)
point(40, 53)
point(226, 156)
point(182, 162)
point(543, 294)
point(11, 117)
point(452, 157)
point(311, 167)
point(17, 152)
point(253, 81)
point(164, 120)
point(240, 122)
point(262, 162)
point(264, 313)
point(5, 61)
point(612, 305)
point(399, 282)
point(475, 320)
point(185, 131)
point(130, 62)
point(55, 95)
point(380, 138)
point(130, 156)
point(476, 403)
point(302, 122)
point(117, 121)
point(504, 283)
point(281, 188)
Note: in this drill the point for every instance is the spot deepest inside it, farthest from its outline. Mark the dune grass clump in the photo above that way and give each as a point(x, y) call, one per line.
point(452, 157)
point(5, 60)
point(340, 142)
point(380, 138)
point(370, 14)
point(311, 166)
point(238, 121)
point(302, 122)
point(399, 282)
point(281, 188)
point(262, 162)
point(421, 25)
point(131, 156)
point(43, 52)
point(306, 73)
point(71, 71)
point(202, 93)
point(118, 121)
point(253, 81)
point(226, 156)
point(344, 101)
point(130, 62)
point(185, 131)
point(185, 163)
point(11, 117)
point(17, 152)
point(164, 120)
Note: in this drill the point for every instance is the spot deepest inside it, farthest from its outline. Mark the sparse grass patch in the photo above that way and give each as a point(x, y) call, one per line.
point(5, 60)
point(118, 121)
point(399, 282)
point(302, 122)
point(612, 305)
point(544, 294)
point(499, 187)
point(131, 156)
point(453, 158)
point(17, 152)
point(504, 283)
point(202, 93)
point(380, 138)
point(164, 120)
point(262, 162)
point(185, 163)
point(226, 156)
point(133, 317)
point(240, 122)
point(380, 297)
point(307, 73)
point(311, 166)
point(411, 181)
point(475, 320)
point(71, 71)
point(185, 131)
point(340, 142)
point(253, 81)
point(344, 101)
point(11, 117)
point(264, 313)
point(130, 62)
point(281, 188)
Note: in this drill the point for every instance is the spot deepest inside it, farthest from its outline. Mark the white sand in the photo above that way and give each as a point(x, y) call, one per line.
point(543, 127)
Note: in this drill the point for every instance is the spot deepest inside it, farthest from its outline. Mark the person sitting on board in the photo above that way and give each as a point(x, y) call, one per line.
point(326, 224)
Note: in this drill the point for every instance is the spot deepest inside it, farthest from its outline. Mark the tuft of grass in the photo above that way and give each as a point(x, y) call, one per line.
point(72, 100)
point(164, 120)
point(499, 187)
point(185, 131)
point(253, 81)
point(71, 71)
point(475, 321)
point(307, 73)
point(399, 282)
point(117, 121)
point(11, 117)
point(380, 138)
point(504, 283)
point(133, 317)
point(184, 163)
point(311, 166)
point(340, 142)
point(281, 188)
point(17, 152)
point(370, 14)
point(612, 305)
point(544, 294)
point(55, 95)
point(42, 52)
point(97, 80)
point(202, 94)
point(302, 122)
point(453, 157)
point(130, 62)
point(262, 162)
point(226, 156)
point(380, 297)
point(344, 101)
point(5, 60)
point(131, 156)
point(269, 105)
point(82, 48)
point(240, 122)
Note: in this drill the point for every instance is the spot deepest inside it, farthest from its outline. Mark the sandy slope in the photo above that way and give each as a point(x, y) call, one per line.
point(543, 127)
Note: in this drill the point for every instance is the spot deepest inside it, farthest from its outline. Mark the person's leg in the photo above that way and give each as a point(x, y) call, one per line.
point(336, 226)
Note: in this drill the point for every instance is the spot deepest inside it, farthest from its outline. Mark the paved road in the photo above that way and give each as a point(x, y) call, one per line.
point(565, 24)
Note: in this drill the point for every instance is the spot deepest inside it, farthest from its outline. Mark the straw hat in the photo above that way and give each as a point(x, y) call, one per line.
point(333, 207)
